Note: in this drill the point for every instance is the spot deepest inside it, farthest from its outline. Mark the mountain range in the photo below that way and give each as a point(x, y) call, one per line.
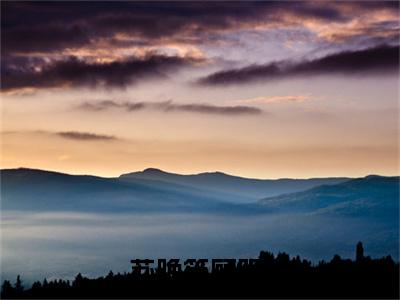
point(156, 190)
point(233, 188)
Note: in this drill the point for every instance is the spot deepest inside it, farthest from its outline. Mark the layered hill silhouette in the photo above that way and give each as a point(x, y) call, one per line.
point(236, 189)
point(372, 196)
point(155, 190)
point(28, 189)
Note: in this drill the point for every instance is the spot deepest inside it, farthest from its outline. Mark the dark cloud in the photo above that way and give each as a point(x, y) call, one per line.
point(85, 136)
point(213, 109)
point(73, 135)
point(74, 72)
point(169, 106)
point(36, 39)
point(48, 26)
point(377, 60)
point(35, 33)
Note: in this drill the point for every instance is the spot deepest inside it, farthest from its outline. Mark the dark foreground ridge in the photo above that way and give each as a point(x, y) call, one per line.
point(268, 276)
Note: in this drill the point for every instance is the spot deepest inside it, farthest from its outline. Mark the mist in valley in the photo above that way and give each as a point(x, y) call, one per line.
point(62, 244)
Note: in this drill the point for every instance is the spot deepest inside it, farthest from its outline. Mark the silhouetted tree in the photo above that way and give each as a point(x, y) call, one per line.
point(36, 285)
point(359, 252)
point(7, 290)
point(19, 288)
point(110, 275)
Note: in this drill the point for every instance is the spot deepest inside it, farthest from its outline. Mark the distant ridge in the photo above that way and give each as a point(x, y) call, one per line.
point(156, 171)
point(25, 170)
point(152, 170)
point(372, 196)
point(237, 189)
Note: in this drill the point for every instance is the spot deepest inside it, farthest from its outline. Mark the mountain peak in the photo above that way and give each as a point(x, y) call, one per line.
point(372, 176)
point(216, 173)
point(153, 171)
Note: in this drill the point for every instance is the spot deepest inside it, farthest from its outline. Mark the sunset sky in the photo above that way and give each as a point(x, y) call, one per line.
point(263, 90)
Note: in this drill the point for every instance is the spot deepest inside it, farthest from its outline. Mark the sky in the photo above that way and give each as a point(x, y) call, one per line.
point(255, 89)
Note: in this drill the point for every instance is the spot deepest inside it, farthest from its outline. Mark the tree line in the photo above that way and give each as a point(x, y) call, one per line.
point(269, 276)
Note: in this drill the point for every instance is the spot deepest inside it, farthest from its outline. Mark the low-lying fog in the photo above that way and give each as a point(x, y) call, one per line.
point(59, 245)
